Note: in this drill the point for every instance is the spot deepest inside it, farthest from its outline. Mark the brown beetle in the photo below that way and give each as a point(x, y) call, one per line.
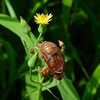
point(54, 59)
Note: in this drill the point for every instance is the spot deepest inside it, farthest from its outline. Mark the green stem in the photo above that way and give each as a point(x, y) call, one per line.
point(40, 35)
point(36, 95)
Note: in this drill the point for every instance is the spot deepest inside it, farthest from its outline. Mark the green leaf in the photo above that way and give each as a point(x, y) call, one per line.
point(92, 85)
point(67, 90)
point(32, 60)
point(10, 9)
point(8, 68)
point(13, 25)
point(49, 85)
point(21, 29)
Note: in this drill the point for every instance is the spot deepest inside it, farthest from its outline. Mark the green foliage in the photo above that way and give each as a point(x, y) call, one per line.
point(7, 65)
point(75, 23)
point(92, 85)
point(10, 8)
point(67, 90)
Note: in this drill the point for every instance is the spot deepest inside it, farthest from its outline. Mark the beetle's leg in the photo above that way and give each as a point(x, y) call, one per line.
point(45, 71)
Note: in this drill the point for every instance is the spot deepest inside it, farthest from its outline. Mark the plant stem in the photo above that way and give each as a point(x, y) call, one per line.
point(39, 37)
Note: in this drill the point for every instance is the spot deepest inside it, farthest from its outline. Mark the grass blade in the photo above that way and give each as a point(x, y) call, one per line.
point(92, 85)
point(67, 90)
point(10, 9)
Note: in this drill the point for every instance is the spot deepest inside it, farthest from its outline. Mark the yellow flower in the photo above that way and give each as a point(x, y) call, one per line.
point(42, 18)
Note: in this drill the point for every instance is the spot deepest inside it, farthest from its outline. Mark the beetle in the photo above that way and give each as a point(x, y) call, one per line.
point(53, 58)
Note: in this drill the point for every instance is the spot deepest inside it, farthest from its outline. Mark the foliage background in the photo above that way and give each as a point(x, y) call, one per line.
point(76, 22)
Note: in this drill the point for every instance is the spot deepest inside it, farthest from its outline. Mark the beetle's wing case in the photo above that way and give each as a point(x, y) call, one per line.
point(53, 58)
point(56, 64)
point(49, 48)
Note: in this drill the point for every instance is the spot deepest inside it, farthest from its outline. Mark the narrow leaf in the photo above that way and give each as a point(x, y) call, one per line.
point(21, 29)
point(92, 85)
point(12, 24)
point(67, 90)
point(10, 9)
